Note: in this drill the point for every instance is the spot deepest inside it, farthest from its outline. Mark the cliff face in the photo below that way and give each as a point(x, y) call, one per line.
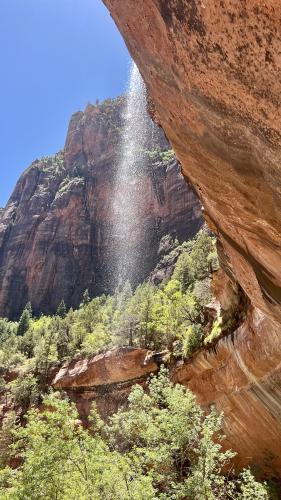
point(213, 72)
point(241, 375)
point(57, 231)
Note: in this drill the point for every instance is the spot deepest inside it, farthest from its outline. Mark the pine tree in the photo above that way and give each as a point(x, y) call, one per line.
point(28, 307)
point(24, 321)
point(61, 310)
point(86, 297)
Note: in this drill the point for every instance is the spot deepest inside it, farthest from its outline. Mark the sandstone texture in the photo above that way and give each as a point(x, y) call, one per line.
point(241, 376)
point(213, 72)
point(107, 378)
point(121, 364)
point(57, 230)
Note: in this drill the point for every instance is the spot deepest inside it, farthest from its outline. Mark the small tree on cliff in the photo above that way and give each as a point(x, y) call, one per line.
point(86, 299)
point(61, 310)
point(24, 321)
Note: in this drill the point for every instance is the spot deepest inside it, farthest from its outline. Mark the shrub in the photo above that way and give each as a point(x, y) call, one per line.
point(215, 332)
point(161, 446)
point(25, 391)
point(192, 340)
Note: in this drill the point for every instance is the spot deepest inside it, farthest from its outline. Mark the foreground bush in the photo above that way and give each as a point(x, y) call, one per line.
point(161, 446)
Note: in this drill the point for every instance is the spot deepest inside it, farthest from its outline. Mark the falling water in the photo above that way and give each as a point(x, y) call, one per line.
point(129, 185)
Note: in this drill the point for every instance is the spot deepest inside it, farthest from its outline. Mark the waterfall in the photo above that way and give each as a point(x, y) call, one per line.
point(129, 189)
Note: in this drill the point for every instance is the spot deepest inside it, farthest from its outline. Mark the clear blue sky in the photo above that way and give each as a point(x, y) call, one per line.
point(56, 55)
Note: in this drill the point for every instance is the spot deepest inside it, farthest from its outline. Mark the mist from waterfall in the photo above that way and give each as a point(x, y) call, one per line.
point(129, 183)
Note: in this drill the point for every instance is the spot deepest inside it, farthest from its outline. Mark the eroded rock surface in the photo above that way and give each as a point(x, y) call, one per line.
point(106, 378)
point(213, 71)
point(121, 364)
point(57, 231)
point(241, 375)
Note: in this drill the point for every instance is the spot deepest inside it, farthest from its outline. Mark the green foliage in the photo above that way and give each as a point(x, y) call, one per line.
point(153, 154)
point(86, 298)
point(24, 321)
point(167, 155)
point(161, 446)
point(7, 329)
point(197, 262)
point(70, 181)
point(191, 340)
point(63, 461)
point(7, 437)
point(25, 391)
point(61, 310)
point(215, 332)
point(156, 155)
point(251, 489)
point(94, 342)
point(169, 434)
point(154, 317)
point(52, 164)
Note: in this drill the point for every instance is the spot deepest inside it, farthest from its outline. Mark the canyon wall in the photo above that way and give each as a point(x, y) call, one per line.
point(57, 231)
point(213, 71)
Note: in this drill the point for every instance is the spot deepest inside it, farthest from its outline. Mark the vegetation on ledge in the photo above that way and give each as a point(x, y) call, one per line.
point(170, 315)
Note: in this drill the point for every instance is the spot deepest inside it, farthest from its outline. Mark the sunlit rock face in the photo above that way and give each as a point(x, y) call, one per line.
point(107, 378)
point(241, 375)
point(213, 71)
point(56, 233)
point(121, 364)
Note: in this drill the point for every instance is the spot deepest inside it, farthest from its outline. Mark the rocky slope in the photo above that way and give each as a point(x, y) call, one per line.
point(57, 231)
point(213, 72)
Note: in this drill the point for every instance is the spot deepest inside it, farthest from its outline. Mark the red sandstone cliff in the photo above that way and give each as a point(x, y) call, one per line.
point(57, 234)
point(213, 71)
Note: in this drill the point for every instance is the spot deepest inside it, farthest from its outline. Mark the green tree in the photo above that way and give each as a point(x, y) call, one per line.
point(86, 299)
point(63, 461)
point(161, 446)
point(25, 391)
point(7, 437)
point(24, 321)
point(172, 439)
point(197, 261)
point(45, 353)
point(29, 308)
point(61, 310)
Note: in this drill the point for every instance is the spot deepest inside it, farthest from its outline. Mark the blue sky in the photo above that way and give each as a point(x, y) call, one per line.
point(56, 55)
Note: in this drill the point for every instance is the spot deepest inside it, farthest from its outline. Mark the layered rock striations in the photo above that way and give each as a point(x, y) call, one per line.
point(241, 375)
point(105, 379)
point(213, 71)
point(57, 231)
